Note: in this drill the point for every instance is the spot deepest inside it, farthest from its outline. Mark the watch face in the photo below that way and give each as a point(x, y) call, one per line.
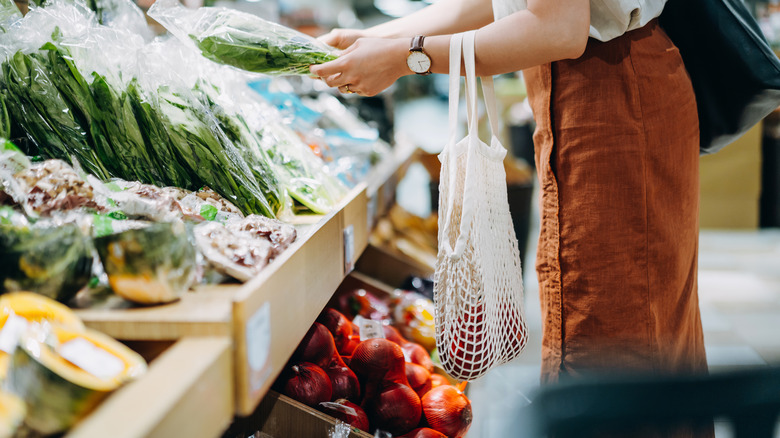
point(418, 62)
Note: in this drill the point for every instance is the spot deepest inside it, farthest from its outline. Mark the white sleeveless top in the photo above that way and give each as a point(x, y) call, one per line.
point(608, 18)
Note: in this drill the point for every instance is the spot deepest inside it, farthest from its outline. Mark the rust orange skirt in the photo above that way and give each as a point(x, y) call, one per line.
point(617, 153)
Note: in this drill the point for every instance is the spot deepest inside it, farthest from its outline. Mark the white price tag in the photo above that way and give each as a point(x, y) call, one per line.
point(349, 249)
point(90, 358)
point(339, 407)
point(369, 329)
point(371, 208)
point(258, 345)
point(12, 329)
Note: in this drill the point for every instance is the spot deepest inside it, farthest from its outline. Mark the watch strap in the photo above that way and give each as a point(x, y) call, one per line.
point(417, 43)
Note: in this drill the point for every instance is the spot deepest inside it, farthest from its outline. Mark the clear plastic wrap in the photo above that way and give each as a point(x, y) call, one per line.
point(52, 259)
point(242, 40)
point(241, 248)
point(149, 265)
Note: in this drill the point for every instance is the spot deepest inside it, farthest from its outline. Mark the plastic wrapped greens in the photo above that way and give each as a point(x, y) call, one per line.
point(41, 109)
point(242, 40)
point(208, 153)
point(235, 126)
point(55, 261)
point(149, 265)
point(9, 14)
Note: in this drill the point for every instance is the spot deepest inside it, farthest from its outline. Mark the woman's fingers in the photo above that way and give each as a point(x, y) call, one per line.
point(341, 38)
point(327, 69)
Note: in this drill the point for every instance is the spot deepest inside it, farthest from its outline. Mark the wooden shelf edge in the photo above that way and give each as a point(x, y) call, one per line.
point(186, 392)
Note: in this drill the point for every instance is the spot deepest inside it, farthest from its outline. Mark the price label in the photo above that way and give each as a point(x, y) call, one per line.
point(349, 249)
point(371, 208)
point(258, 345)
point(12, 329)
point(92, 359)
point(369, 329)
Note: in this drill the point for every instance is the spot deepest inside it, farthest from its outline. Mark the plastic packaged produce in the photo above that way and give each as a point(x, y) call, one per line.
point(237, 254)
point(243, 247)
point(231, 120)
point(242, 40)
point(413, 315)
point(280, 234)
point(55, 261)
point(150, 265)
point(62, 374)
point(12, 160)
point(18, 310)
point(53, 186)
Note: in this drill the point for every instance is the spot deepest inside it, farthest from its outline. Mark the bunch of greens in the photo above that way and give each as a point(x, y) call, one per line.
point(41, 109)
point(296, 166)
point(237, 130)
point(209, 154)
point(242, 40)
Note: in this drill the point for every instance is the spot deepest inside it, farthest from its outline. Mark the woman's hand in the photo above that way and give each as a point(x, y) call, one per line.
point(367, 66)
point(342, 38)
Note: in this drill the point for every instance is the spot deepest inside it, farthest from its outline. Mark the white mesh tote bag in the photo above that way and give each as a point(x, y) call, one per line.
point(478, 286)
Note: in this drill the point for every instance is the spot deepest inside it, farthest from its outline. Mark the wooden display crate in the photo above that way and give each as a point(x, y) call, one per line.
point(185, 382)
point(267, 317)
point(390, 267)
point(279, 416)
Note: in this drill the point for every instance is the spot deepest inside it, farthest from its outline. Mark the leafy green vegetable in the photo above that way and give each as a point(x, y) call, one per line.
point(5, 121)
point(242, 40)
point(157, 141)
point(211, 156)
point(42, 111)
point(260, 54)
point(248, 144)
point(120, 134)
point(305, 182)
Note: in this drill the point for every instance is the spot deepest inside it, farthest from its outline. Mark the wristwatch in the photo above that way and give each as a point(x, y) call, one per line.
point(417, 60)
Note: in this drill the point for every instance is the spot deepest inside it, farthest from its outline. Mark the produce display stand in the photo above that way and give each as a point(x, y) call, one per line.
point(184, 393)
point(263, 321)
point(280, 416)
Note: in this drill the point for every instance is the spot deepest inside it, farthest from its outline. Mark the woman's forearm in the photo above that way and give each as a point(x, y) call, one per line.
point(441, 18)
point(547, 31)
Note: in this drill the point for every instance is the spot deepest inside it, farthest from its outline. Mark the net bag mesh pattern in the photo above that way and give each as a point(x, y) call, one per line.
point(478, 289)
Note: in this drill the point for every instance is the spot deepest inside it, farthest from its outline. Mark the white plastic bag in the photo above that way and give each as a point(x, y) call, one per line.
point(478, 288)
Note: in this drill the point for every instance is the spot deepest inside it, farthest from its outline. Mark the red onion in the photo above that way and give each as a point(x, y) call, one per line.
point(378, 359)
point(392, 334)
point(338, 325)
point(347, 412)
point(396, 408)
point(307, 383)
point(317, 346)
point(415, 353)
point(344, 381)
point(419, 378)
point(438, 380)
point(348, 349)
point(447, 410)
point(424, 432)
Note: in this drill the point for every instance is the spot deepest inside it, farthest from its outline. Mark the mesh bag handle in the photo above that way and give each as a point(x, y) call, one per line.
point(478, 282)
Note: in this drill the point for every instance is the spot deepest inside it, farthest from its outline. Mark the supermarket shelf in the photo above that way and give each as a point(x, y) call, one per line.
point(279, 416)
point(173, 393)
point(267, 316)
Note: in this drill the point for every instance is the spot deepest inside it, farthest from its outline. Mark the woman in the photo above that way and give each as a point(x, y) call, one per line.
point(617, 155)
